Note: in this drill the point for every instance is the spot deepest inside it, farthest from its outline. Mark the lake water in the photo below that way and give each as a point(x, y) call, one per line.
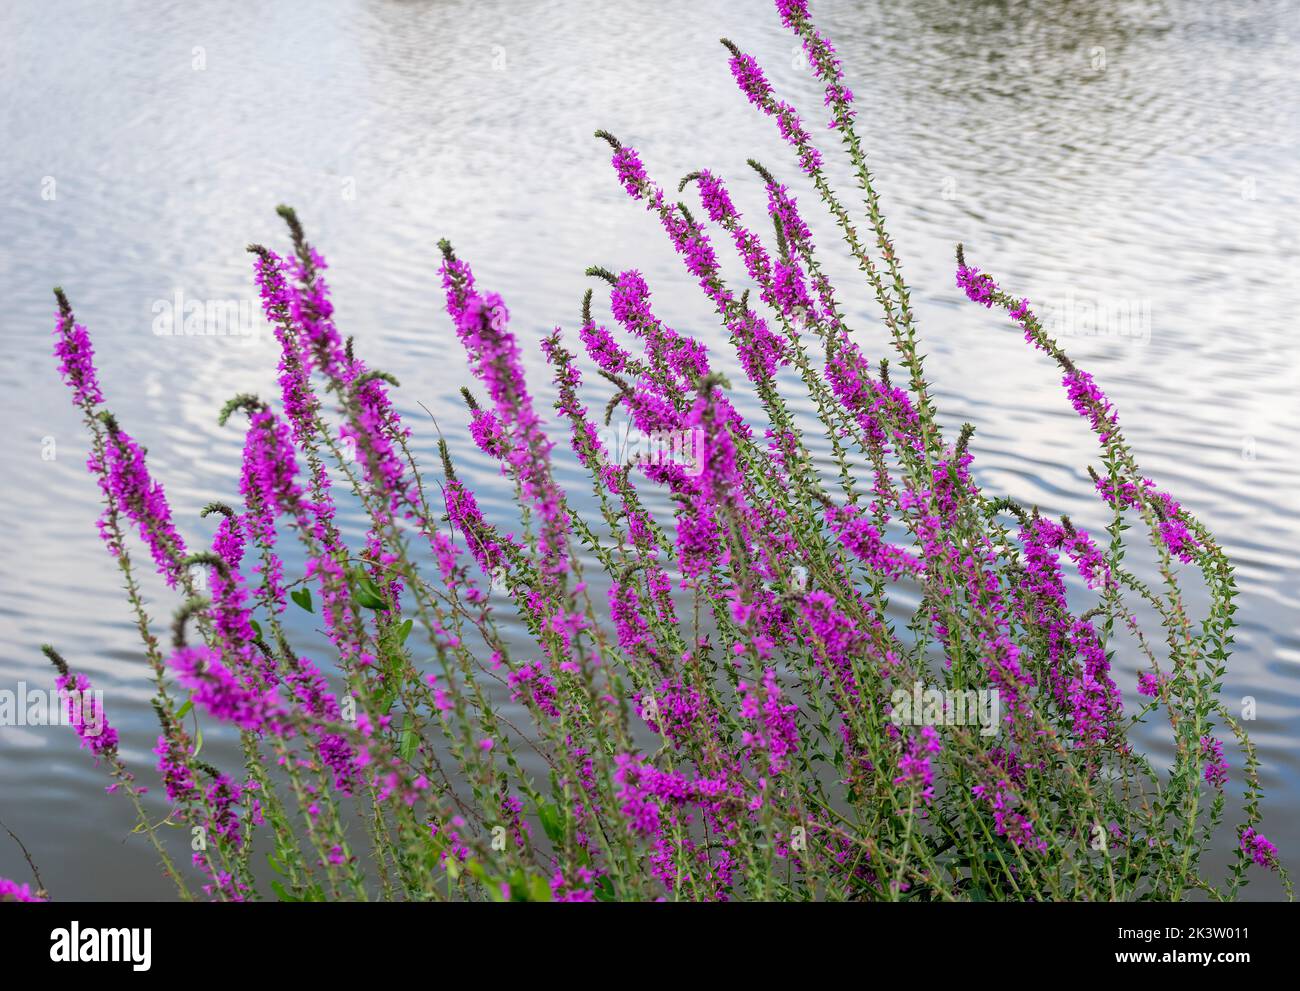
point(1131, 166)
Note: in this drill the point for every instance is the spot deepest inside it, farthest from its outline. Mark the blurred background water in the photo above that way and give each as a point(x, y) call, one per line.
point(1128, 164)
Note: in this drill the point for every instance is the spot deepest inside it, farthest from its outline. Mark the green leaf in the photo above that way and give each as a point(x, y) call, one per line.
point(552, 821)
point(302, 596)
point(410, 740)
point(368, 596)
point(433, 852)
point(404, 631)
point(538, 889)
point(282, 894)
point(184, 710)
point(257, 628)
point(276, 865)
point(520, 887)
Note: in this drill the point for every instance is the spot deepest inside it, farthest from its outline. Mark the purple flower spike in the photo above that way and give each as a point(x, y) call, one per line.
point(1216, 768)
point(76, 360)
point(1260, 849)
point(979, 288)
point(86, 714)
point(12, 891)
point(224, 695)
point(124, 478)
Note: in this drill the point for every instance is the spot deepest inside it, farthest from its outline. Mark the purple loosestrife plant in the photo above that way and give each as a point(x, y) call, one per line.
point(745, 680)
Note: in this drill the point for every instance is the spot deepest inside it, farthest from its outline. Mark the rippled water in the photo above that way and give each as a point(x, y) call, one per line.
point(1131, 166)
